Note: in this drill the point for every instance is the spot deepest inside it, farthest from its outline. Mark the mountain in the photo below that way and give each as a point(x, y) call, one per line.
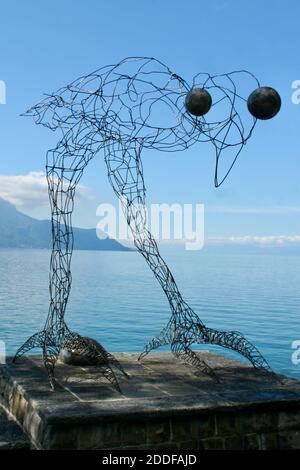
point(18, 230)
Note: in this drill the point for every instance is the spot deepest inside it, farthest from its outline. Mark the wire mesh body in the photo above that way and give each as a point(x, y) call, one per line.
point(120, 110)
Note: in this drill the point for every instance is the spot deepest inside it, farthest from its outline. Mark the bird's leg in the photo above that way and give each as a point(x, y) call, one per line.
point(61, 185)
point(184, 328)
point(125, 173)
point(62, 182)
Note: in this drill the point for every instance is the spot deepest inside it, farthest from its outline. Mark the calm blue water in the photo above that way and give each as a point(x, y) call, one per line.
point(116, 299)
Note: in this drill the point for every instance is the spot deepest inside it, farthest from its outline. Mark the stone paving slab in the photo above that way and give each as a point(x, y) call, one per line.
point(159, 388)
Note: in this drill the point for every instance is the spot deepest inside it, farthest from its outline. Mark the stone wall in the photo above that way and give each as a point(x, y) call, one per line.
point(249, 430)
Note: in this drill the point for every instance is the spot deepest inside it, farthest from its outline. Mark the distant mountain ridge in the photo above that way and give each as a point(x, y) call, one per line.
point(18, 230)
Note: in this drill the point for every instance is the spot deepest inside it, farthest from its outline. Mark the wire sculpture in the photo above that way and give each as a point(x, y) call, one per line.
point(122, 109)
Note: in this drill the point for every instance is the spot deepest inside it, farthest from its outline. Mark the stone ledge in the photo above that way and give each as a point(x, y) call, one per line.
point(163, 405)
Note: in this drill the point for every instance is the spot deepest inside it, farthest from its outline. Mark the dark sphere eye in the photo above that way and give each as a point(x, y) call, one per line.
point(198, 101)
point(264, 103)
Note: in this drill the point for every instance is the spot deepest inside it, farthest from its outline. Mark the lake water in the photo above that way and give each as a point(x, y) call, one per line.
point(116, 299)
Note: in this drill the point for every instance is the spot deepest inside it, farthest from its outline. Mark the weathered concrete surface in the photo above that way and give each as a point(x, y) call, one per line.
point(164, 405)
point(11, 435)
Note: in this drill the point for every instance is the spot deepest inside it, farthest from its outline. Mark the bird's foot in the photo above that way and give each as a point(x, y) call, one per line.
point(180, 335)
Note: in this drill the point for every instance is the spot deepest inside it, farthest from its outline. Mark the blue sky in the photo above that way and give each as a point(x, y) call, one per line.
point(45, 45)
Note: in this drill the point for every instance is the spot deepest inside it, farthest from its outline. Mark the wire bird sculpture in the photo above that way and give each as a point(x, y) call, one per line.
point(122, 109)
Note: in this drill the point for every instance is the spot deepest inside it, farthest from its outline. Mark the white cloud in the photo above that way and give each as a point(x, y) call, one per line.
point(29, 190)
point(277, 209)
point(268, 240)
